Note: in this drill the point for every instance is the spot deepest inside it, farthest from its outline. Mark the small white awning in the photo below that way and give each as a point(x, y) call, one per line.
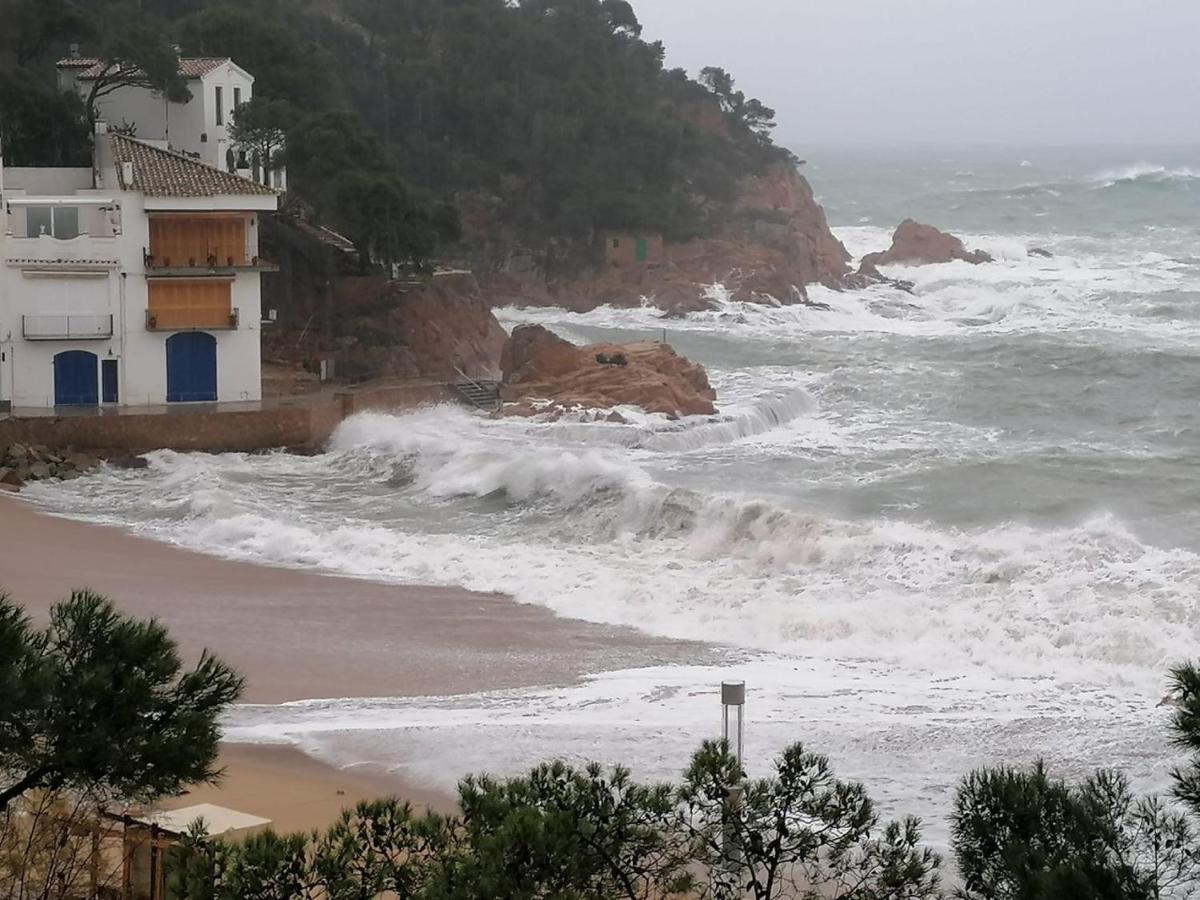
point(218, 820)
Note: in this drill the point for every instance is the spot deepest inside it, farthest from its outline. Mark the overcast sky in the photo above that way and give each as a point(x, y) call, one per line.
point(989, 71)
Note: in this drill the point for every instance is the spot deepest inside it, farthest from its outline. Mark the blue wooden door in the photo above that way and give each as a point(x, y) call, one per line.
point(76, 380)
point(191, 367)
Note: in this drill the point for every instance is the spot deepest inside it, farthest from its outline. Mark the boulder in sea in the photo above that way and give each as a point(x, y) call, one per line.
point(918, 244)
point(542, 372)
point(1040, 252)
point(11, 477)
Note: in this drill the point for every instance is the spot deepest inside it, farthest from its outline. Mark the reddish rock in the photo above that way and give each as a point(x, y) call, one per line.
point(917, 244)
point(405, 330)
point(538, 365)
point(777, 241)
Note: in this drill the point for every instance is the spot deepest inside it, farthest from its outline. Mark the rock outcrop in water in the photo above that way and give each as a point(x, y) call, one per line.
point(918, 244)
point(776, 242)
point(544, 373)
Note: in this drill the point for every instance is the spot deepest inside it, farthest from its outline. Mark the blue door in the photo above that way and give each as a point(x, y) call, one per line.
point(191, 367)
point(76, 380)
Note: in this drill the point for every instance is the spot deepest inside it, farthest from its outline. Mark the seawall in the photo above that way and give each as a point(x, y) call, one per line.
point(218, 428)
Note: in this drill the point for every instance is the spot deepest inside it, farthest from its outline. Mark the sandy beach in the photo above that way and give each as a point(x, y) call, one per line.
point(302, 635)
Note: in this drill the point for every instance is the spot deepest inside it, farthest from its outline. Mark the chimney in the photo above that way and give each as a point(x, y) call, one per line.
point(127, 174)
point(101, 127)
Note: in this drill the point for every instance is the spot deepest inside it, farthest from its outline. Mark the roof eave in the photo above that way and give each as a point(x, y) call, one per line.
point(223, 202)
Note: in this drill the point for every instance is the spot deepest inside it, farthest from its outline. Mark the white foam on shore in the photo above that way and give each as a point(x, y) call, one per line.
point(442, 497)
point(1086, 287)
point(909, 737)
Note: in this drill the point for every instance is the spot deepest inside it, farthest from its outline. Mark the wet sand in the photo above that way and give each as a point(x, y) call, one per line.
point(301, 635)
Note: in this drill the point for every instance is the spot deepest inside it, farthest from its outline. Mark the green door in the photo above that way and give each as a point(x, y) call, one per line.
point(640, 252)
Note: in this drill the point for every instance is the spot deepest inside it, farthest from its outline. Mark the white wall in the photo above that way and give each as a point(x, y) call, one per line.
point(187, 127)
point(228, 78)
point(47, 180)
point(28, 378)
point(27, 367)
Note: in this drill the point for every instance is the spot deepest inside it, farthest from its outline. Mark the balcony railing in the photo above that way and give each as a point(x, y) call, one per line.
point(62, 328)
point(192, 318)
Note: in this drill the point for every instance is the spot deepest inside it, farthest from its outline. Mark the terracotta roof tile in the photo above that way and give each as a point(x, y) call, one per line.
point(165, 173)
point(189, 66)
point(77, 62)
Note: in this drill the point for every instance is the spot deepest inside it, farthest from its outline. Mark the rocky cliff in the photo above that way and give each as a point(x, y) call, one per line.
point(388, 329)
point(776, 242)
point(545, 374)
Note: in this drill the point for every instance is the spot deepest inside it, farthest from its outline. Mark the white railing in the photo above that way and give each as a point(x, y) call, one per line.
point(59, 328)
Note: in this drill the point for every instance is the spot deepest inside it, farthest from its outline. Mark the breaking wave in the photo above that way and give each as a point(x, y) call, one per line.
point(592, 533)
point(1145, 173)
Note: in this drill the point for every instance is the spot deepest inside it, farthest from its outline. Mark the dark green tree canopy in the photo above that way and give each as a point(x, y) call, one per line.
point(101, 703)
point(555, 116)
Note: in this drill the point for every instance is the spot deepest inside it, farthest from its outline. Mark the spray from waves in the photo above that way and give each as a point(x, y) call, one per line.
point(593, 535)
point(1145, 173)
point(762, 417)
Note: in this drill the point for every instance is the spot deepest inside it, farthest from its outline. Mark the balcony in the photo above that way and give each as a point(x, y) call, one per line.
point(55, 234)
point(64, 328)
point(209, 268)
point(198, 246)
point(192, 318)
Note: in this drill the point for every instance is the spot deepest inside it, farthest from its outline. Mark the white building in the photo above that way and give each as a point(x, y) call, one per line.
point(199, 128)
point(132, 283)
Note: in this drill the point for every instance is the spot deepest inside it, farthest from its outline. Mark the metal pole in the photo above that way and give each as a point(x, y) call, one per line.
point(733, 694)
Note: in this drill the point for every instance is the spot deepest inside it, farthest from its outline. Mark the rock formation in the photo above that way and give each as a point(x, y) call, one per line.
point(392, 329)
point(20, 463)
point(776, 242)
point(917, 244)
point(544, 373)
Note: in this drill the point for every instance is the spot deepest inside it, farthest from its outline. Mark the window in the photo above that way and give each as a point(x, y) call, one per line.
point(220, 105)
point(616, 243)
point(38, 219)
point(237, 98)
point(62, 222)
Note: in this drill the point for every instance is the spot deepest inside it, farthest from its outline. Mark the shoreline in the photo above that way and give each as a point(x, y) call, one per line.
point(299, 635)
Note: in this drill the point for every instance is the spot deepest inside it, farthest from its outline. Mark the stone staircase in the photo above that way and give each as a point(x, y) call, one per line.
point(483, 394)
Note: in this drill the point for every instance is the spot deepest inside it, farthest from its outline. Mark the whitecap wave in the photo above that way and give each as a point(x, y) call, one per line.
point(1145, 173)
point(592, 533)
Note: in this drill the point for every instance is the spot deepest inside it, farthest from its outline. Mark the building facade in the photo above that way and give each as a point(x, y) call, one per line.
point(624, 250)
point(199, 128)
point(133, 283)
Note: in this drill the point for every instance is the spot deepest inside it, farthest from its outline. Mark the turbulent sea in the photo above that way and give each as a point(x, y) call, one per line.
point(934, 530)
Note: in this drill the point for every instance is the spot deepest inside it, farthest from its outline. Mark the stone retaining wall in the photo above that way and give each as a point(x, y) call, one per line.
point(302, 425)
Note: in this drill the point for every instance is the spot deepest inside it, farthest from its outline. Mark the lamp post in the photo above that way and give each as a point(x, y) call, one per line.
point(733, 703)
point(733, 700)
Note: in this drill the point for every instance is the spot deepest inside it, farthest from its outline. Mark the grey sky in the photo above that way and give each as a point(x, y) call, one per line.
point(995, 71)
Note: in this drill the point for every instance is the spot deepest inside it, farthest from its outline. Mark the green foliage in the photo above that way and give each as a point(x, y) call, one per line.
point(554, 115)
point(260, 129)
point(100, 704)
point(137, 56)
point(800, 832)
point(32, 27)
point(380, 846)
point(40, 126)
point(1185, 724)
point(1026, 836)
point(566, 833)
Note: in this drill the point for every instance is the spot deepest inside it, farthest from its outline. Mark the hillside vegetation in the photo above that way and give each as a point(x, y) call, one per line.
point(531, 125)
